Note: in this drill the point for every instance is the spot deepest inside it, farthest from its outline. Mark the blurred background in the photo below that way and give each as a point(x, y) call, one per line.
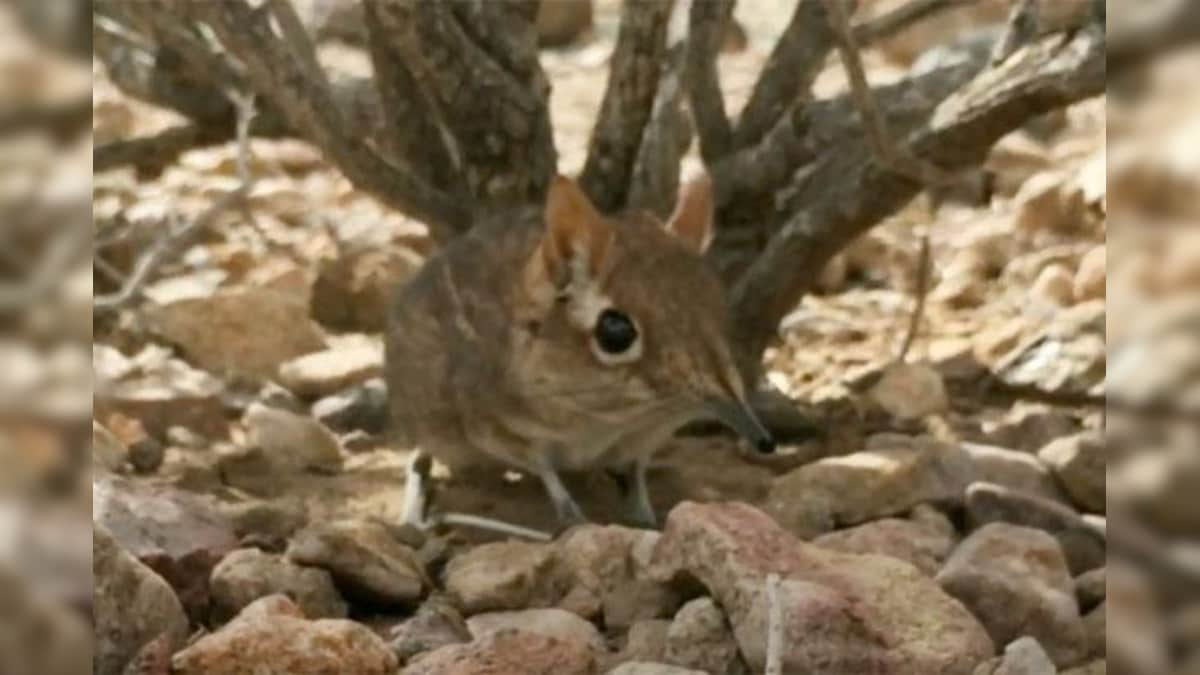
point(1029, 256)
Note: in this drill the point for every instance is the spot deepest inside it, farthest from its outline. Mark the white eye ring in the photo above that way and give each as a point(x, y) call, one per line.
point(631, 353)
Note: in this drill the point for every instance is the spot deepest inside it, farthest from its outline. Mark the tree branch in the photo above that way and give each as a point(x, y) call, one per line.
point(793, 65)
point(706, 27)
point(880, 136)
point(409, 127)
point(665, 139)
point(633, 77)
point(497, 117)
point(309, 108)
point(848, 192)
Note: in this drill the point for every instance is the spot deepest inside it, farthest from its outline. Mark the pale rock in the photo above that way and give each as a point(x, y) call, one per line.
point(248, 574)
point(1067, 356)
point(267, 524)
point(918, 544)
point(1015, 580)
point(1049, 202)
point(1023, 656)
point(1080, 462)
point(1055, 286)
point(603, 563)
point(367, 561)
point(894, 474)
point(646, 641)
point(162, 392)
point(910, 391)
point(1091, 278)
point(1014, 469)
point(845, 613)
point(1083, 546)
point(504, 575)
point(292, 442)
point(507, 652)
point(247, 331)
point(436, 624)
point(550, 622)
point(273, 636)
point(346, 363)
point(700, 638)
point(131, 604)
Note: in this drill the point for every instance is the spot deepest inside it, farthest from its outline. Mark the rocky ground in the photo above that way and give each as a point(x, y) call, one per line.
point(951, 518)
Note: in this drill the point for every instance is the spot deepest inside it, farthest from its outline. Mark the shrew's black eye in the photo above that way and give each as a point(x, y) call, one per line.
point(615, 332)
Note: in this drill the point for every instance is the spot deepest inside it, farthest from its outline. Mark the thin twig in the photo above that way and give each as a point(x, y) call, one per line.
point(418, 499)
point(1022, 28)
point(774, 627)
point(882, 142)
point(176, 241)
point(914, 321)
point(489, 524)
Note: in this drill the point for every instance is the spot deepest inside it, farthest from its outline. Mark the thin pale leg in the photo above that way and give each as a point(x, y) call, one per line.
point(565, 506)
point(637, 495)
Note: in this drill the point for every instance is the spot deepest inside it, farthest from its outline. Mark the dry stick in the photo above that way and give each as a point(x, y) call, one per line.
point(882, 142)
point(418, 498)
point(774, 627)
point(914, 321)
point(175, 242)
point(1022, 28)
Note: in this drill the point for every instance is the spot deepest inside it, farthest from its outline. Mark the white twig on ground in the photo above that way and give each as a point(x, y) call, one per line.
point(1022, 27)
point(774, 627)
point(882, 142)
point(418, 501)
point(924, 264)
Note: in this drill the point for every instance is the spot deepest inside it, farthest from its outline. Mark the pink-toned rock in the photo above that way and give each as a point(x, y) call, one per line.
point(507, 653)
point(605, 563)
point(272, 636)
point(844, 613)
point(179, 535)
point(700, 638)
point(1015, 580)
point(918, 544)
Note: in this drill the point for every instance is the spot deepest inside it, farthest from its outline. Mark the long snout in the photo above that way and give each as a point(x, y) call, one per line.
point(738, 416)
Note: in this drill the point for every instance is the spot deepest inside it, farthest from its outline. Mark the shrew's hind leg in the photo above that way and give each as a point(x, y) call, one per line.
point(631, 480)
point(565, 506)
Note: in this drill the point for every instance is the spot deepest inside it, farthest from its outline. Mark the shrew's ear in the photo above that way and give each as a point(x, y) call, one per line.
point(577, 239)
point(692, 220)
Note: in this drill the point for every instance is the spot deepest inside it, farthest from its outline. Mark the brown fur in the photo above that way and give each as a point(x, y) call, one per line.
point(489, 354)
